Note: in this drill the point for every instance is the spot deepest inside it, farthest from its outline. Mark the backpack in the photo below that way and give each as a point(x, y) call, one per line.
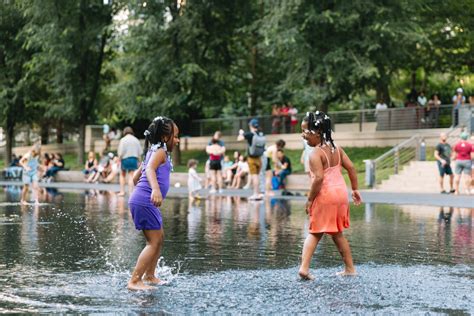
point(257, 148)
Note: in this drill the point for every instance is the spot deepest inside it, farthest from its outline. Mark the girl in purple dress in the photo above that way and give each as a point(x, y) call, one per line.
point(152, 182)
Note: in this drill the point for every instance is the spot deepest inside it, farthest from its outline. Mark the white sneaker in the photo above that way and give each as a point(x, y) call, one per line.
point(221, 191)
point(246, 187)
point(212, 191)
point(255, 197)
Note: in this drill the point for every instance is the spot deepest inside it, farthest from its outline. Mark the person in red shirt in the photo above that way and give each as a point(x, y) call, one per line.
point(463, 153)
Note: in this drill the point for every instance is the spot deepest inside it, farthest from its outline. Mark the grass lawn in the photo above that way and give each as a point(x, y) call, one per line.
point(358, 155)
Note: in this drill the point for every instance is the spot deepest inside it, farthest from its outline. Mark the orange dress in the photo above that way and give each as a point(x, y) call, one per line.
point(330, 209)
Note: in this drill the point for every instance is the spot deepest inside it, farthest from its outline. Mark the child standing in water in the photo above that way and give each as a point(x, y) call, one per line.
point(152, 182)
point(328, 204)
point(30, 163)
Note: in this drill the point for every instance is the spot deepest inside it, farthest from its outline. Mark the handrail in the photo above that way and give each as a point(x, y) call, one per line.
point(395, 148)
point(442, 106)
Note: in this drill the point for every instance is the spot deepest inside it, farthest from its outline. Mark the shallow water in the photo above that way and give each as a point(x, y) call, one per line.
point(75, 253)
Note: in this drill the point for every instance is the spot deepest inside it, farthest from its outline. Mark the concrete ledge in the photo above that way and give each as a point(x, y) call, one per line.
point(74, 176)
point(294, 181)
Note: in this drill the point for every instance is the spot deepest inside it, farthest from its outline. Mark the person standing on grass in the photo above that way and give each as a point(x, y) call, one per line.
point(443, 158)
point(256, 147)
point(129, 151)
point(328, 204)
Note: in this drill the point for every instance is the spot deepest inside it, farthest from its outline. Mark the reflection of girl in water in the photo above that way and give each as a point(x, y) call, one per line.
point(328, 205)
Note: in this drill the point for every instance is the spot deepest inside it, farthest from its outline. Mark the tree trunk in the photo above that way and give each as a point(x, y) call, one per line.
point(424, 82)
point(60, 132)
point(177, 155)
point(9, 142)
point(82, 143)
point(44, 133)
point(413, 80)
point(253, 81)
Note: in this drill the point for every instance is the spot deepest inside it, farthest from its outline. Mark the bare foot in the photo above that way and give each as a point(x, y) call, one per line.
point(153, 280)
point(346, 273)
point(121, 194)
point(139, 286)
point(306, 276)
point(23, 202)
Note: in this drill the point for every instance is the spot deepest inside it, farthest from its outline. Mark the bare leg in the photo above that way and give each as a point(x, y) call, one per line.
point(467, 184)
point(239, 178)
point(213, 179)
point(36, 191)
point(219, 179)
point(122, 183)
point(255, 183)
point(451, 179)
point(150, 272)
point(145, 261)
point(441, 183)
point(309, 247)
point(131, 185)
point(24, 193)
point(345, 251)
point(457, 179)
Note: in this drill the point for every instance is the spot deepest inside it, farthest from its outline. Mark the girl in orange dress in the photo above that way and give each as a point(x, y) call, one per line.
point(328, 203)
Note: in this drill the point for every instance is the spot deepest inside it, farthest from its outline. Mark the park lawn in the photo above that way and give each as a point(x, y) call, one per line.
point(358, 155)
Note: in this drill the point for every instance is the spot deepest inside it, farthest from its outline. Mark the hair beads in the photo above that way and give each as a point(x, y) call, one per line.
point(320, 123)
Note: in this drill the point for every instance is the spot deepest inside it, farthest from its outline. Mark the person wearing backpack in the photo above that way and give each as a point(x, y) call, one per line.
point(256, 147)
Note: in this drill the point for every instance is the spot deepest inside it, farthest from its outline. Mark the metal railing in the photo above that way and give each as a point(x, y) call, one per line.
point(392, 161)
point(389, 119)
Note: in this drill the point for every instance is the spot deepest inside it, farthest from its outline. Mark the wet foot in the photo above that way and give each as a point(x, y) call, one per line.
point(121, 194)
point(346, 273)
point(23, 202)
point(153, 280)
point(139, 286)
point(306, 276)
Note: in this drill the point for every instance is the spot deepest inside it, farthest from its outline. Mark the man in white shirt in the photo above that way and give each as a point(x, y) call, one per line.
point(129, 151)
point(380, 106)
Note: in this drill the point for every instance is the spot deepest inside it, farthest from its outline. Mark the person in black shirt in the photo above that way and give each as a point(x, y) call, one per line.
point(284, 167)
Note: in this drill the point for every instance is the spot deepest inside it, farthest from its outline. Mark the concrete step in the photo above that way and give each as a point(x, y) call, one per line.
point(417, 176)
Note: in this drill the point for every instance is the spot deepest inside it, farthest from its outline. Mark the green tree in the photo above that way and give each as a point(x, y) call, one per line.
point(12, 58)
point(71, 39)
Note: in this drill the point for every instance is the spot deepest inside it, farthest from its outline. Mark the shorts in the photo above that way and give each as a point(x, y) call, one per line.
point(86, 172)
point(146, 217)
point(446, 169)
point(255, 164)
point(215, 165)
point(463, 166)
point(29, 178)
point(129, 164)
point(268, 167)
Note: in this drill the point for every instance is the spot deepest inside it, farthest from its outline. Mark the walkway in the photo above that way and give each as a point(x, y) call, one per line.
point(368, 196)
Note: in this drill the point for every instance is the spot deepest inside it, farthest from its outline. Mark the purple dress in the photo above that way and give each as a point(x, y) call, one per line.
point(145, 215)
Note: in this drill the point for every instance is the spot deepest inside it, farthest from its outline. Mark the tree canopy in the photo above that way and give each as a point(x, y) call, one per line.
point(90, 61)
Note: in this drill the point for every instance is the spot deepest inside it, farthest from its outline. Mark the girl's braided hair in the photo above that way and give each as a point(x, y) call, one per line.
point(319, 122)
point(160, 131)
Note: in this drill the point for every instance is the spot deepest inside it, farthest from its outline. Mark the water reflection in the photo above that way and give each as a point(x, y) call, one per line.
point(57, 251)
